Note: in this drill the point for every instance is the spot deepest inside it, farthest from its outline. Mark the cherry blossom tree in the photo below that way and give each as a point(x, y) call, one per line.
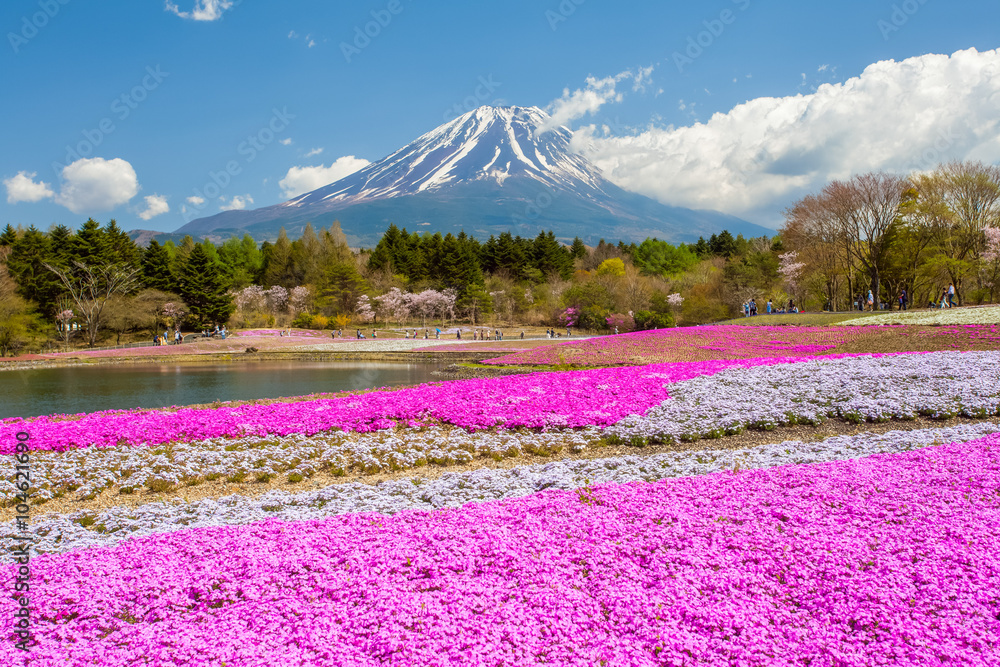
point(298, 299)
point(364, 309)
point(277, 299)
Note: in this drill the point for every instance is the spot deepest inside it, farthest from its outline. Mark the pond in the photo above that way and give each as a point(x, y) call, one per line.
point(75, 389)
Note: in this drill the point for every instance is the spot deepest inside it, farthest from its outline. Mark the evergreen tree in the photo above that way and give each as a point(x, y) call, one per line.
point(156, 268)
point(26, 264)
point(551, 257)
point(578, 249)
point(9, 236)
point(342, 285)
point(277, 266)
point(90, 245)
point(203, 288)
point(723, 245)
point(179, 255)
point(120, 248)
point(61, 243)
point(701, 248)
point(386, 251)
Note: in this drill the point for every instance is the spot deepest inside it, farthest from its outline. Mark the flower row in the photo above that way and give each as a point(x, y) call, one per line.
point(737, 342)
point(89, 471)
point(890, 559)
point(857, 389)
point(85, 529)
point(985, 315)
point(539, 401)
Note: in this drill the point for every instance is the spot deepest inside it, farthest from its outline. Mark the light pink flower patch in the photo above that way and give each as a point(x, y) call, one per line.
point(888, 560)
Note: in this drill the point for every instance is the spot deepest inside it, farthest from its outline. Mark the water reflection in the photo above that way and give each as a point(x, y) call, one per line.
point(87, 389)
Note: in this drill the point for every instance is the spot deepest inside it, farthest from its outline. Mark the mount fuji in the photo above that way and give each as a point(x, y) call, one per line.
point(490, 170)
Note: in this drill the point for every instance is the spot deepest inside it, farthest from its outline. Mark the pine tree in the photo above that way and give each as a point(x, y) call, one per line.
point(9, 236)
point(386, 251)
point(61, 243)
point(90, 245)
point(26, 264)
point(156, 272)
point(203, 288)
point(551, 257)
point(578, 250)
point(121, 249)
point(277, 262)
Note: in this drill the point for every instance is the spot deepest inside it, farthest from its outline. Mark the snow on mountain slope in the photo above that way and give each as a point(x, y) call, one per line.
point(485, 172)
point(489, 143)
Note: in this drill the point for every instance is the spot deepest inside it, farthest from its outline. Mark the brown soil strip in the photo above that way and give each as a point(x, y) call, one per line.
point(219, 488)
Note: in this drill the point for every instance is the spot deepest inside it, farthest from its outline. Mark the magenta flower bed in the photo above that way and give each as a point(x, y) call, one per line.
point(539, 400)
point(714, 341)
point(889, 560)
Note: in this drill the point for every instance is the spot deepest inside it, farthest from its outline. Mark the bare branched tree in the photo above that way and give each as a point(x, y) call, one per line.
point(90, 287)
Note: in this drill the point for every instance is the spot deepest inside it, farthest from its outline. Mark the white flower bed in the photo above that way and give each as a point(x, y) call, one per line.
point(60, 533)
point(89, 471)
point(977, 315)
point(939, 385)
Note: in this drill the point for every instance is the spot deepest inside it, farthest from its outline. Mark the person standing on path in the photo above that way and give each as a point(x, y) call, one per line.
point(951, 295)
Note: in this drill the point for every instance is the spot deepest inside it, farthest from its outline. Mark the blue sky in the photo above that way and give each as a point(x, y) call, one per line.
point(126, 110)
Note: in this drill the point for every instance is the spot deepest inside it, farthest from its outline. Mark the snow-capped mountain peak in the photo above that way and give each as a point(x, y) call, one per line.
point(488, 143)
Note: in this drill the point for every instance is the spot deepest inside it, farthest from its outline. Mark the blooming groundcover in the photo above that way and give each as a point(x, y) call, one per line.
point(740, 342)
point(889, 559)
point(574, 399)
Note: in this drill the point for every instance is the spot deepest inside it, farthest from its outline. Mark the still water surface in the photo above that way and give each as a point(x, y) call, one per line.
point(72, 390)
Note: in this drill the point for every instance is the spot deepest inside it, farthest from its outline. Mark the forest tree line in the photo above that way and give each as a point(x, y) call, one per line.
point(875, 231)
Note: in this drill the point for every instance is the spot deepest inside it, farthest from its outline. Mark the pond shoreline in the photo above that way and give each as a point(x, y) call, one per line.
point(403, 357)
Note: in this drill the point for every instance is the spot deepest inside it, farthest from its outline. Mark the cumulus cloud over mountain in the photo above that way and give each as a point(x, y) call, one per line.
point(755, 159)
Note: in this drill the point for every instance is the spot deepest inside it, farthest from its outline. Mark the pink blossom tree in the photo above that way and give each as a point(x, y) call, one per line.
point(364, 310)
point(298, 299)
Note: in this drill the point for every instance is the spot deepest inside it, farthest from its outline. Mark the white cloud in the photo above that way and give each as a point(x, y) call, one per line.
point(287, 141)
point(204, 10)
point(238, 203)
point(822, 68)
point(300, 180)
point(315, 151)
point(292, 34)
point(642, 77)
point(96, 184)
point(573, 105)
point(761, 155)
point(23, 187)
point(195, 200)
point(312, 43)
point(155, 205)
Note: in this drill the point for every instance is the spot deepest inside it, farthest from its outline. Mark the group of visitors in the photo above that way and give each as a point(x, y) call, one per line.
point(947, 297)
point(551, 333)
point(750, 308)
point(209, 333)
point(485, 334)
point(164, 338)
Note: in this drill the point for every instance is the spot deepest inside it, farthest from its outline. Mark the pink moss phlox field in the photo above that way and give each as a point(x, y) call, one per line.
point(887, 560)
point(714, 342)
point(539, 400)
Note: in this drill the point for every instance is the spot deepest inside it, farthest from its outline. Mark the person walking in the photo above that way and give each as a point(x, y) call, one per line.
point(951, 295)
point(871, 301)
